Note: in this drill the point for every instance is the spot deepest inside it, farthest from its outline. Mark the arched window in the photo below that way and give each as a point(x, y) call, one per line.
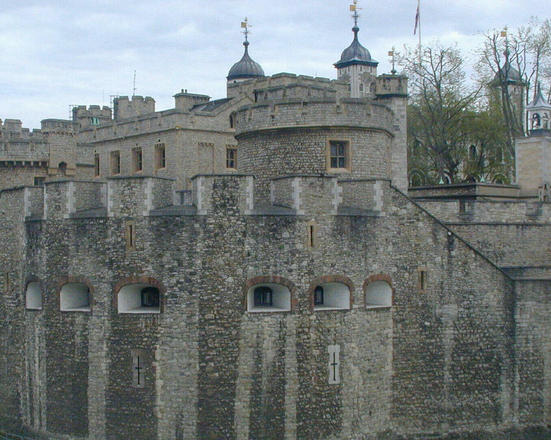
point(62, 167)
point(139, 298)
point(378, 294)
point(268, 297)
point(331, 296)
point(33, 296)
point(74, 297)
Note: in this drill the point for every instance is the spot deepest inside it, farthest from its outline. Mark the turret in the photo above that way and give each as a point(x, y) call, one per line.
point(246, 68)
point(356, 65)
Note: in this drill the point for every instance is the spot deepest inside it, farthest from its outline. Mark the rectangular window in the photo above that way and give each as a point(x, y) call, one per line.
point(339, 155)
point(422, 280)
point(39, 181)
point(231, 157)
point(160, 156)
point(130, 235)
point(94, 121)
point(137, 159)
point(96, 165)
point(115, 162)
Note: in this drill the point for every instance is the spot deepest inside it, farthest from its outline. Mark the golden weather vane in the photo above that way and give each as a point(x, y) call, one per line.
point(354, 8)
point(245, 25)
point(392, 54)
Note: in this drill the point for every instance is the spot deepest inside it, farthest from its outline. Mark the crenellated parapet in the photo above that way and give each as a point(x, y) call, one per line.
point(91, 116)
point(124, 107)
point(313, 112)
point(138, 196)
point(224, 193)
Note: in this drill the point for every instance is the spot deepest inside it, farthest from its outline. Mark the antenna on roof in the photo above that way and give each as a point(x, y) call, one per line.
point(134, 87)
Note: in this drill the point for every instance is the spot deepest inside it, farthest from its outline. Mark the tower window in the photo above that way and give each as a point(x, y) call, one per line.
point(94, 121)
point(74, 297)
point(338, 155)
point(137, 159)
point(139, 298)
point(160, 156)
point(318, 296)
point(96, 165)
point(115, 162)
point(269, 297)
point(231, 157)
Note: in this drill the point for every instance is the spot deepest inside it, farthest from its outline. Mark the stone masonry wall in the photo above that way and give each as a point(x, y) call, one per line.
point(438, 360)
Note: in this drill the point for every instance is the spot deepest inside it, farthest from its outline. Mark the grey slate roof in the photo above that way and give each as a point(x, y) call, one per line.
point(355, 53)
point(246, 67)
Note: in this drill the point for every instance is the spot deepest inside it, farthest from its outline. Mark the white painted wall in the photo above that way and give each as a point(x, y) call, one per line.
point(378, 294)
point(336, 296)
point(281, 299)
point(74, 297)
point(129, 300)
point(33, 296)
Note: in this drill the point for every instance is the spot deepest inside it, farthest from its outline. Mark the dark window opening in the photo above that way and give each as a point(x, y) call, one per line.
point(318, 296)
point(150, 297)
point(263, 296)
point(39, 181)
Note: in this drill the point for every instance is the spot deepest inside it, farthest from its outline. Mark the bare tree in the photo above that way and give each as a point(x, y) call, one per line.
point(439, 101)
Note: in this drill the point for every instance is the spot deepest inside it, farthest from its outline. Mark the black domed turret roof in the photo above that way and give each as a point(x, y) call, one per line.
point(355, 53)
point(246, 67)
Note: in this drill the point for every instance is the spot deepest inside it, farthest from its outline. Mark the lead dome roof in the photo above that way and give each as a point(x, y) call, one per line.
point(355, 53)
point(246, 67)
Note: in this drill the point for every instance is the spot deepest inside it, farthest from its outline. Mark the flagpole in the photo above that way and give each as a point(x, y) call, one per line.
point(419, 11)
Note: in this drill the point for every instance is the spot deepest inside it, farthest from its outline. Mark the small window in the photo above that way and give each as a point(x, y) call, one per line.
point(139, 298)
point(231, 120)
point(94, 121)
point(137, 159)
point(130, 235)
point(231, 157)
point(62, 167)
point(33, 296)
point(39, 181)
point(378, 294)
point(74, 297)
point(96, 165)
point(263, 296)
point(115, 162)
point(269, 297)
point(331, 296)
point(318, 296)
point(422, 279)
point(311, 234)
point(338, 155)
point(160, 156)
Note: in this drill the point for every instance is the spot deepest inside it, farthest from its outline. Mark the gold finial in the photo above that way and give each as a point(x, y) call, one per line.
point(245, 25)
point(504, 32)
point(392, 54)
point(354, 8)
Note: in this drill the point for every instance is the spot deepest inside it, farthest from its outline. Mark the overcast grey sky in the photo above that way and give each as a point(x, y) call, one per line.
point(55, 53)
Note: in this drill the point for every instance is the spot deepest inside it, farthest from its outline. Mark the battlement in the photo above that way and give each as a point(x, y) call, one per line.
point(327, 111)
point(124, 107)
point(212, 194)
point(13, 129)
point(249, 87)
point(58, 126)
point(91, 116)
point(387, 86)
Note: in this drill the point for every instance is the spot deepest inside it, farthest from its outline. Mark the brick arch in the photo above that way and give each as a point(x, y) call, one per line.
point(143, 279)
point(75, 279)
point(378, 277)
point(262, 279)
point(330, 279)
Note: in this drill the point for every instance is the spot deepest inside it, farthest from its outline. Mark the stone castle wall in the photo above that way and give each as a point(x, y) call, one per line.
point(441, 358)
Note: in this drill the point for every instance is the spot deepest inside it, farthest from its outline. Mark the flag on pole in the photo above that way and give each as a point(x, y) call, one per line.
point(243, 24)
point(417, 17)
point(352, 8)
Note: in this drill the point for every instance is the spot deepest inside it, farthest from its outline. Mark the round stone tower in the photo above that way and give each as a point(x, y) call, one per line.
point(297, 130)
